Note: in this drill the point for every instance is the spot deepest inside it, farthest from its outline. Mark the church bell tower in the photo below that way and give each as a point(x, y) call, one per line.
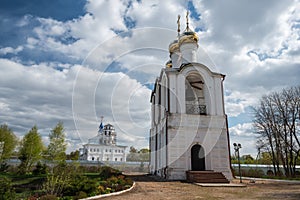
point(189, 134)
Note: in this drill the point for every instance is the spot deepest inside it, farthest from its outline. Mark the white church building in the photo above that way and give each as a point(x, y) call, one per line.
point(103, 147)
point(189, 136)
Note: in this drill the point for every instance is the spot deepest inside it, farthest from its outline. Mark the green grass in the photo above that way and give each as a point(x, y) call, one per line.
point(25, 185)
point(92, 175)
point(282, 178)
point(23, 179)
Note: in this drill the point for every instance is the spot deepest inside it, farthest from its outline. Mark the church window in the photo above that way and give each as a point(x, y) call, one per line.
point(116, 151)
point(93, 158)
point(97, 150)
point(121, 159)
point(105, 150)
point(107, 159)
point(91, 150)
point(116, 159)
point(119, 151)
point(110, 150)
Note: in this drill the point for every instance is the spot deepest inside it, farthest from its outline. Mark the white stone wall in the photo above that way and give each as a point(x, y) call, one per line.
point(207, 131)
point(176, 59)
point(104, 153)
point(172, 135)
point(188, 52)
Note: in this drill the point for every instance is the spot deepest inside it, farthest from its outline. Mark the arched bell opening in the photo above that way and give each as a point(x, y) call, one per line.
point(194, 95)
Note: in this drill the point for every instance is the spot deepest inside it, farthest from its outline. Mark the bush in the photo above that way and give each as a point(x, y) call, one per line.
point(83, 184)
point(62, 175)
point(4, 167)
point(258, 173)
point(48, 197)
point(107, 172)
point(40, 169)
point(7, 192)
point(114, 184)
point(255, 173)
point(81, 195)
point(270, 173)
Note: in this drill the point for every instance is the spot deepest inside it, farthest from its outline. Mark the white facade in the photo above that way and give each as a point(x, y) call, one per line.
point(189, 125)
point(103, 147)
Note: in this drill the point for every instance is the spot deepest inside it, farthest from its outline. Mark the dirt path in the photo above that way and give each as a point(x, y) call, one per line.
point(151, 188)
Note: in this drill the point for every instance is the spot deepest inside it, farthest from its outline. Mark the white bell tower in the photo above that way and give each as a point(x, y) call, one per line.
point(189, 133)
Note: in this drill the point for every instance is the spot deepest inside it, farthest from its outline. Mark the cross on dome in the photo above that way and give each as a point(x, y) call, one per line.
point(178, 23)
point(187, 29)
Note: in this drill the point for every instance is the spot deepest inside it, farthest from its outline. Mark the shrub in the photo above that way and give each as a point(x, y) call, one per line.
point(33, 197)
point(128, 182)
point(107, 172)
point(83, 184)
point(270, 173)
point(7, 192)
point(255, 173)
point(114, 184)
point(48, 197)
point(62, 175)
point(40, 169)
point(81, 195)
point(101, 189)
point(4, 167)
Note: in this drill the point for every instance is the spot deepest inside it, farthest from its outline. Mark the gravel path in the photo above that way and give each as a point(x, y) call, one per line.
point(152, 188)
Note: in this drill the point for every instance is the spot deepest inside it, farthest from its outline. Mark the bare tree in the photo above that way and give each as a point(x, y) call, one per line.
point(277, 121)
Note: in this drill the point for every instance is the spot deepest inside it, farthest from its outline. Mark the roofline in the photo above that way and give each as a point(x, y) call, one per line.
point(183, 66)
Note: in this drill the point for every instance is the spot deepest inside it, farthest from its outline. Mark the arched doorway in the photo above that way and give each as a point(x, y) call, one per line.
point(198, 158)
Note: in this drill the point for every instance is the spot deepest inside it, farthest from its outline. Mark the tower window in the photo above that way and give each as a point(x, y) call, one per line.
point(194, 95)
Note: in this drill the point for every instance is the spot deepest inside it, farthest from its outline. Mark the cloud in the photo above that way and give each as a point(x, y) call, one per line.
point(42, 95)
point(243, 134)
point(10, 50)
point(117, 97)
point(113, 49)
point(33, 95)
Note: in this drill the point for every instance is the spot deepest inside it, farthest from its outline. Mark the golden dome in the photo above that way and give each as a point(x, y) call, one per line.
point(169, 64)
point(188, 37)
point(174, 46)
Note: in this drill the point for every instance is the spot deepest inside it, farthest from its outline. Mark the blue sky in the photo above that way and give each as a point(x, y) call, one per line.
point(75, 61)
